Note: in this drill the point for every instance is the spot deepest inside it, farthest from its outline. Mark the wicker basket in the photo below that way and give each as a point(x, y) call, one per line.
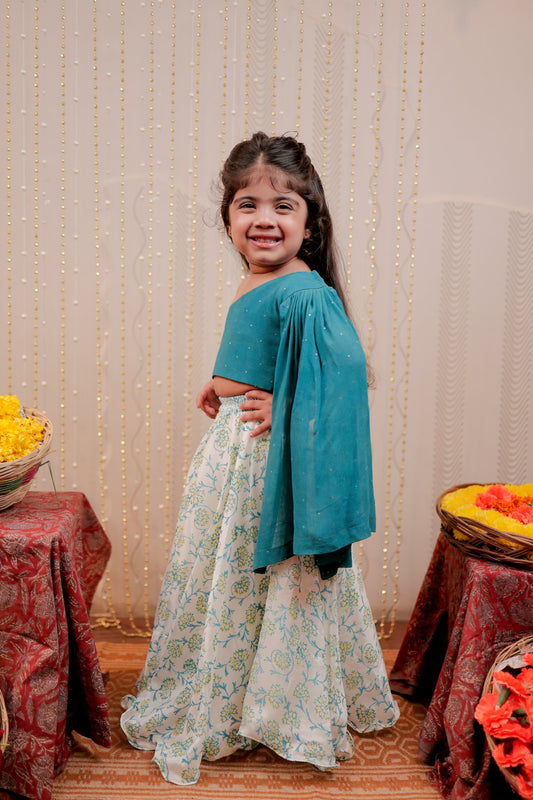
point(4, 725)
point(483, 541)
point(16, 476)
point(524, 645)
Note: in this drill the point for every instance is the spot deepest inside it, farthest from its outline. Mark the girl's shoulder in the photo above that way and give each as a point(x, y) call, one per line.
point(280, 288)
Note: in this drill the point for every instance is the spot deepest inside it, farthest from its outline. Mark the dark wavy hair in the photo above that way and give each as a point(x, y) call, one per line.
point(284, 154)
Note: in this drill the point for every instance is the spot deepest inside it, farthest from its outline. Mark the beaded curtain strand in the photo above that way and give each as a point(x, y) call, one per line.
point(9, 219)
point(62, 256)
point(36, 164)
point(223, 144)
point(193, 245)
point(169, 444)
point(394, 341)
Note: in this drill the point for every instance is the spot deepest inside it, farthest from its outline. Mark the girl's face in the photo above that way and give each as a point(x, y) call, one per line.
point(267, 223)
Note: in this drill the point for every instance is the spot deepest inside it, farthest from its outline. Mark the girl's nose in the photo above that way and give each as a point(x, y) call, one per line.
point(264, 218)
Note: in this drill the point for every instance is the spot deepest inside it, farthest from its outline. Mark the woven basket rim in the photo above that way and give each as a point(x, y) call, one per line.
point(522, 645)
point(19, 466)
point(483, 540)
point(4, 723)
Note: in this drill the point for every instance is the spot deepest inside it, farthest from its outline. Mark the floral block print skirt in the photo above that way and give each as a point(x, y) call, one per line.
point(285, 658)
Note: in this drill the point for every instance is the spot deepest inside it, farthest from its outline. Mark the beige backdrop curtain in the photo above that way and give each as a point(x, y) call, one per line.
point(115, 118)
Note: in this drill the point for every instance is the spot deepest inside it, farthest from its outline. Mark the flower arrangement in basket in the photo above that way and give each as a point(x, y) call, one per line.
point(493, 521)
point(25, 439)
point(505, 711)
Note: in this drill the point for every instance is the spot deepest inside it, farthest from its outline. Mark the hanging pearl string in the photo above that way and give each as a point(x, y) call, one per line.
point(300, 68)
point(392, 390)
point(62, 257)
point(98, 277)
point(394, 343)
point(374, 181)
point(9, 231)
point(222, 137)
point(396, 575)
point(114, 621)
point(327, 90)
point(247, 68)
point(36, 94)
point(192, 269)
point(274, 69)
point(169, 444)
point(351, 203)
point(149, 330)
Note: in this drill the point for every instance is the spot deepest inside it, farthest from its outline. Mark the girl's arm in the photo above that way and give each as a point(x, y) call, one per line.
point(258, 407)
point(207, 400)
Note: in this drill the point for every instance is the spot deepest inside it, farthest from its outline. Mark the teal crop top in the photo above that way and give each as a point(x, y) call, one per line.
point(291, 336)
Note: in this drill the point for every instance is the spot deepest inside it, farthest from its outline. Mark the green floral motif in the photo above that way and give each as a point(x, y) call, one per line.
point(186, 621)
point(349, 598)
point(211, 747)
point(275, 696)
point(229, 712)
point(166, 688)
point(282, 660)
point(239, 659)
point(371, 654)
point(354, 681)
point(313, 752)
point(365, 715)
point(309, 564)
point(244, 558)
point(313, 599)
point(242, 586)
point(190, 775)
point(202, 517)
point(301, 692)
point(222, 438)
point(249, 506)
point(201, 604)
point(195, 642)
point(345, 648)
point(322, 707)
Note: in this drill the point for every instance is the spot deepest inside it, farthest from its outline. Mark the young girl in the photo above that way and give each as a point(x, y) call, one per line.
point(263, 633)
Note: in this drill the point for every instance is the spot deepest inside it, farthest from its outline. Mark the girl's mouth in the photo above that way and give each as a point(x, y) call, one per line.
point(265, 241)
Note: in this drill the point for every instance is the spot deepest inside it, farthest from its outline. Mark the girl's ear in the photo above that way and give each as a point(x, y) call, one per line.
point(228, 230)
point(307, 233)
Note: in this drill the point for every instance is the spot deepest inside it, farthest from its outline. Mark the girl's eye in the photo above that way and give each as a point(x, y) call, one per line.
point(284, 207)
point(246, 204)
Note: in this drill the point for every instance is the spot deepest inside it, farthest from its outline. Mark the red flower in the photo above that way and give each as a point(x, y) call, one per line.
point(512, 753)
point(523, 514)
point(522, 685)
point(495, 497)
point(524, 784)
point(508, 720)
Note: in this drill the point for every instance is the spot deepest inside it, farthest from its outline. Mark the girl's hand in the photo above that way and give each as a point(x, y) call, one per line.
point(207, 399)
point(258, 406)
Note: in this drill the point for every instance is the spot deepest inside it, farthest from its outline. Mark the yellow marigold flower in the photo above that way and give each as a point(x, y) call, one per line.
point(18, 435)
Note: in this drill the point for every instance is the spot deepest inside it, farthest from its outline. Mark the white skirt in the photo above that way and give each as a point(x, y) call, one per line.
point(285, 659)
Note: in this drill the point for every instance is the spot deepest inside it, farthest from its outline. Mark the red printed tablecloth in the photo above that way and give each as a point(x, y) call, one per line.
point(53, 552)
point(468, 609)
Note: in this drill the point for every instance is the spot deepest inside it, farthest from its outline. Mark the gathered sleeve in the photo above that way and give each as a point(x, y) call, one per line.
point(318, 496)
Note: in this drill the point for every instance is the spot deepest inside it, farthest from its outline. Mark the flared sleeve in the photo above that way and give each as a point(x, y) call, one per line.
point(318, 496)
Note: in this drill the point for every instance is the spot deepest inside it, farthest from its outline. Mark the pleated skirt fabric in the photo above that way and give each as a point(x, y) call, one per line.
point(285, 659)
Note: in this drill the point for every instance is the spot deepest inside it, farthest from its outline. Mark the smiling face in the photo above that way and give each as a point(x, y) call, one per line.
point(267, 223)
